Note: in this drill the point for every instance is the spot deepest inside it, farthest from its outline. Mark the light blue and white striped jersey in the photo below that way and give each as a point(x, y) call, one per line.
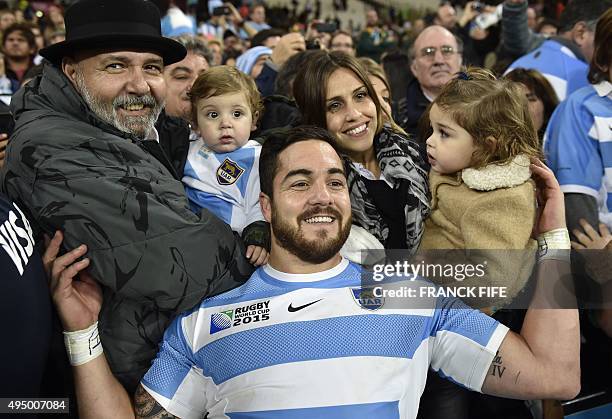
point(227, 184)
point(177, 23)
point(565, 72)
point(578, 145)
point(305, 346)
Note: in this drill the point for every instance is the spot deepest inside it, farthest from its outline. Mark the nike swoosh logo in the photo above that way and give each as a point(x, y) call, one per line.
point(298, 308)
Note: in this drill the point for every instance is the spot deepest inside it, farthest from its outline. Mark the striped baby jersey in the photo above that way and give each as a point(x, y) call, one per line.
point(227, 184)
point(311, 346)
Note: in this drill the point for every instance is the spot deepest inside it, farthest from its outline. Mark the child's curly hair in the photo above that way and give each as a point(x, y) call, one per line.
point(494, 112)
point(222, 80)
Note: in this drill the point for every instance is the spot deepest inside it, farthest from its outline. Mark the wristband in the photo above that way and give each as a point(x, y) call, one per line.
point(554, 244)
point(83, 345)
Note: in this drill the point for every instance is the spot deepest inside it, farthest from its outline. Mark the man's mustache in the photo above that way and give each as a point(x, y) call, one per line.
point(128, 100)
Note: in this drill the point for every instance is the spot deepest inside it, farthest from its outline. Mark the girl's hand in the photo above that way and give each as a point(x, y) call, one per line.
point(257, 255)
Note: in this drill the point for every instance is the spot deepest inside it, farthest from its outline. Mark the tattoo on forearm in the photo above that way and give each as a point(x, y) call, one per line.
point(146, 406)
point(497, 368)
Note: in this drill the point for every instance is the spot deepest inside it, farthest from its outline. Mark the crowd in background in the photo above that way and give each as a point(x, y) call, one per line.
point(230, 29)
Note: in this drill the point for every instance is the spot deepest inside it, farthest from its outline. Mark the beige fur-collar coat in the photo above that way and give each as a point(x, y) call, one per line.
point(491, 209)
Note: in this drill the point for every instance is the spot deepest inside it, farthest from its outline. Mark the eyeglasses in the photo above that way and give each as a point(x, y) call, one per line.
point(430, 52)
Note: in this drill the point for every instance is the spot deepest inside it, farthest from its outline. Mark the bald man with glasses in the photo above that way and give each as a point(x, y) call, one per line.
point(435, 58)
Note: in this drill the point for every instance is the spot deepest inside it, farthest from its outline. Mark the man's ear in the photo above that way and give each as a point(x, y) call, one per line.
point(413, 67)
point(70, 68)
point(266, 206)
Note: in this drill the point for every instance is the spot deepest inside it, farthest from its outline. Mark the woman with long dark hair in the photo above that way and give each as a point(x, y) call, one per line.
point(387, 177)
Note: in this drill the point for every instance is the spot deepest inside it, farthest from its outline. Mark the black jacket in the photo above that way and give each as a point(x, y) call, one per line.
point(279, 112)
point(174, 140)
point(154, 257)
point(409, 112)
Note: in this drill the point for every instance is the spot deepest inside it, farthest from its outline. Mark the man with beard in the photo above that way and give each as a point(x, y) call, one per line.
point(299, 339)
point(85, 160)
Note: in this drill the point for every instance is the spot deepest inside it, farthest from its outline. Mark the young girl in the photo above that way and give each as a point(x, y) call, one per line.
point(222, 169)
point(482, 195)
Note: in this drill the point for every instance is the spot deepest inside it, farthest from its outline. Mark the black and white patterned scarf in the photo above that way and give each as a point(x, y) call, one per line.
point(399, 162)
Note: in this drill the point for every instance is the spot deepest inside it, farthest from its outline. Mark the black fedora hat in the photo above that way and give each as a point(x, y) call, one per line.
point(102, 24)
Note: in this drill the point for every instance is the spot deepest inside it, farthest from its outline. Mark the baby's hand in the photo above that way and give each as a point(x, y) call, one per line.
point(257, 255)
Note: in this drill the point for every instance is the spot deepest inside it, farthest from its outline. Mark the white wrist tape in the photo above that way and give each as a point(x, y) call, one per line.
point(554, 244)
point(83, 345)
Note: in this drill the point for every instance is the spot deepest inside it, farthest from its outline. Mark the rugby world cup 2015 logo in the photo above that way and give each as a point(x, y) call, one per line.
point(366, 299)
point(221, 321)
